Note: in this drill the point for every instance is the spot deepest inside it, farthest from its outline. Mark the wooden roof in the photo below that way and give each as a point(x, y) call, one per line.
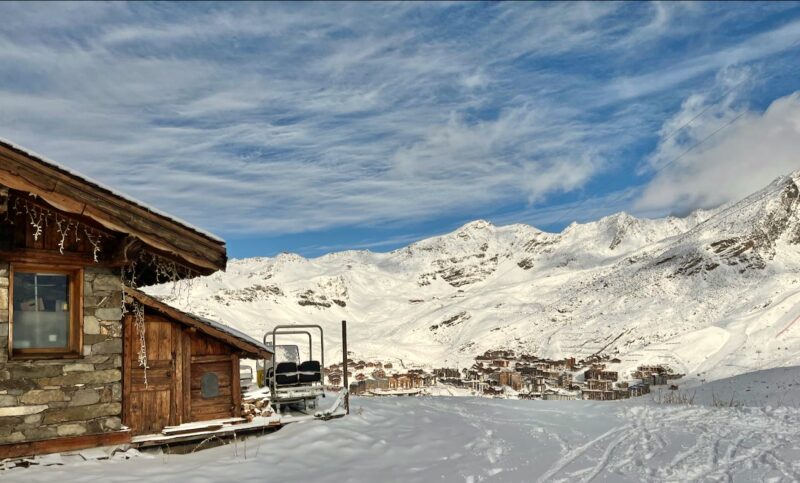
point(250, 347)
point(72, 193)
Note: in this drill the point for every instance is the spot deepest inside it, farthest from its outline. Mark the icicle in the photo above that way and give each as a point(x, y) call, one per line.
point(37, 220)
point(40, 217)
point(63, 232)
point(137, 310)
point(139, 323)
point(95, 242)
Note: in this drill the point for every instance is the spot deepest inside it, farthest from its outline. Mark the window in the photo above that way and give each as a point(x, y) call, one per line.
point(46, 311)
point(209, 385)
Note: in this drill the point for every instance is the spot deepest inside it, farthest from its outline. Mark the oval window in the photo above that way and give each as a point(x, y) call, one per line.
point(209, 385)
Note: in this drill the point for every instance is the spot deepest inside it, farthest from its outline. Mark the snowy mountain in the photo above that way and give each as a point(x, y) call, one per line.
point(714, 294)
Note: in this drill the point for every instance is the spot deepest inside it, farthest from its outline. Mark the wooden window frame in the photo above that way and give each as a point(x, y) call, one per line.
point(74, 348)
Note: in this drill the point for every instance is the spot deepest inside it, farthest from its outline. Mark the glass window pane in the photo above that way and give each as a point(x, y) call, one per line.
point(41, 311)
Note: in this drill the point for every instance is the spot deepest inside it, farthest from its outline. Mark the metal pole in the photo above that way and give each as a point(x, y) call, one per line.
point(344, 368)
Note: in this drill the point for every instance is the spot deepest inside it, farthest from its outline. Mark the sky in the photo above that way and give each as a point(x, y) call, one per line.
point(318, 127)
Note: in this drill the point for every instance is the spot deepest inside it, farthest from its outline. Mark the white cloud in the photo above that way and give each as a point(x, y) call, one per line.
point(277, 118)
point(735, 162)
point(783, 38)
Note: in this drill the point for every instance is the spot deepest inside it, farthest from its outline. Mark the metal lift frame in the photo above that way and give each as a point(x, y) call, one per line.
point(291, 394)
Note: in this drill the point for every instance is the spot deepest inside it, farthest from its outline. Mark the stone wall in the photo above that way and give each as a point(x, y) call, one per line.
point(44, 399)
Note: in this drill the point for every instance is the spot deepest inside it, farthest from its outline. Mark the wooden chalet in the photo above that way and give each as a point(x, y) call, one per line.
point(192, 371)
point(85, 358)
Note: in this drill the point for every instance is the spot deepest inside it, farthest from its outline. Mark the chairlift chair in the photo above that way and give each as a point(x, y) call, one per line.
point(291, 382)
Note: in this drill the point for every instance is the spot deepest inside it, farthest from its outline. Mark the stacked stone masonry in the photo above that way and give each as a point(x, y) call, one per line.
point(43, 399)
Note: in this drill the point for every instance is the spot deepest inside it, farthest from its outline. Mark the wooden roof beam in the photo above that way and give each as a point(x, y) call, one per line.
point(72, 194)
point(3, 199)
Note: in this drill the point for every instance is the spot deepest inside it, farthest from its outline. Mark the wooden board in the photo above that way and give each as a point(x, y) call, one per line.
point(186, 400)
point(202, 426)
point(127, 364)
point(177, 397)
point(58, 445)
point(236, 388)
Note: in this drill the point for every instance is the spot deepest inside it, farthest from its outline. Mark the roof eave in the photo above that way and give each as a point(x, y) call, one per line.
point(75, 194)
point(250, 348)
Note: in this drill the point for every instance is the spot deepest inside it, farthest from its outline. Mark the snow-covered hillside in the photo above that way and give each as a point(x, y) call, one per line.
point(713, 294)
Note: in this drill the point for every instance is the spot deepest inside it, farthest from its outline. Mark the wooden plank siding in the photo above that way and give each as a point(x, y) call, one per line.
point(186, 400)
point(177, 408)
point(209, 355)
point(236, 387)
point(57, 445)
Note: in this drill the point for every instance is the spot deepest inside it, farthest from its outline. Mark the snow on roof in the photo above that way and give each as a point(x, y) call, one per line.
point(110, 190)
point(231, 331)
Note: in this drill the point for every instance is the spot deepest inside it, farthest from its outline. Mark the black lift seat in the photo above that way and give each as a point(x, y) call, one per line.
point(310, 372)
point(286, 374)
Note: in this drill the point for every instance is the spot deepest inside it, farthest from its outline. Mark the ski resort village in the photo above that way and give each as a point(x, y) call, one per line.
point(501, 374)
point(399, 242)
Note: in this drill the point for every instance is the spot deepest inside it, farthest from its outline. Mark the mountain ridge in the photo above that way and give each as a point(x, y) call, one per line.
point(710, 293)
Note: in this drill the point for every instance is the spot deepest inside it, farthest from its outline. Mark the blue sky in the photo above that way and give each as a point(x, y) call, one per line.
point(319, 127)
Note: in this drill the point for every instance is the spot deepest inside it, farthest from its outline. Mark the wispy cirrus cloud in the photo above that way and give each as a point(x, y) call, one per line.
point(265, 119)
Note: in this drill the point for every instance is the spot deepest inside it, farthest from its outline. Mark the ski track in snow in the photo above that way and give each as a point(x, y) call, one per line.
point(478, 440)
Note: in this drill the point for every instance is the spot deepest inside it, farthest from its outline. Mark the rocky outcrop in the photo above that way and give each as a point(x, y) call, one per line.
point(747, 233)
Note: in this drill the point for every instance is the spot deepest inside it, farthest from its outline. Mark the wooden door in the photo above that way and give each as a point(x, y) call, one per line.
point(217, 402)
point(213, 380)
point(151, 396)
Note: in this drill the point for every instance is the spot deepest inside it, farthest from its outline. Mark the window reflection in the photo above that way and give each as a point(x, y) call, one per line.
point(41, 311)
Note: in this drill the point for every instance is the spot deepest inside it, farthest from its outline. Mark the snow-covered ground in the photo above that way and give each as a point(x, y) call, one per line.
point(470, 439)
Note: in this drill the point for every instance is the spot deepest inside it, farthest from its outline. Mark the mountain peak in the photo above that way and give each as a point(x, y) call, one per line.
point(477, 225)
point(621, 216)
point(288, 257)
